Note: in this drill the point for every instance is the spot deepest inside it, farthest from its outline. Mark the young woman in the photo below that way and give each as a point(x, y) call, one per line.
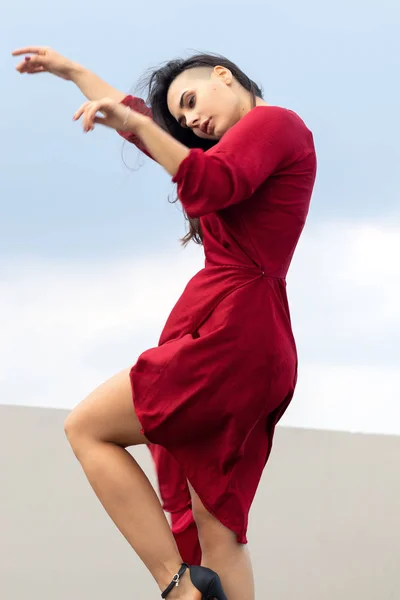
point(207, 399)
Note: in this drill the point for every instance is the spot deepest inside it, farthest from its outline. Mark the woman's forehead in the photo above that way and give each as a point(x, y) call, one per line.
point(190, 79)
point(177, 89)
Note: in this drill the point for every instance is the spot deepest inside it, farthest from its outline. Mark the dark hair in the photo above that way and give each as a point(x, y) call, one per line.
point(157, 82)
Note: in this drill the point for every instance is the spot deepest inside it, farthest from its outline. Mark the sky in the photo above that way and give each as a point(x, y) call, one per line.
point(90, 262)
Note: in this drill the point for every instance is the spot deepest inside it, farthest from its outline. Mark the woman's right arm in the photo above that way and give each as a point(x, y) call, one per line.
point(92, 86)
point(42, 59)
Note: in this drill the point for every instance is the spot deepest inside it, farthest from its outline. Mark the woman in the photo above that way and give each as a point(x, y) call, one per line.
point(207, 399)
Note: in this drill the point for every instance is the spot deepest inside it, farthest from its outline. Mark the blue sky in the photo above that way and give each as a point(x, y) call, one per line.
point(74, 219)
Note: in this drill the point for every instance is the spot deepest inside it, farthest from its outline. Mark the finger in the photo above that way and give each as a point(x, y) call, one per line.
point(20, 67)
point(35, 59)
point(102, 121)
point(90, 115)
point(31, 62)
point(80, 111)
point(29, 50)
point(23, 66)
point(37, 70)
point(32, 69)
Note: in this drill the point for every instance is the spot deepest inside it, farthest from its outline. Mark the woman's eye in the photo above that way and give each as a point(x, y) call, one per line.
point(190, 101)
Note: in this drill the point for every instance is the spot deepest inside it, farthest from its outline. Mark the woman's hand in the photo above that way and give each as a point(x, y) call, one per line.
point(43, 59)
point(115, 115)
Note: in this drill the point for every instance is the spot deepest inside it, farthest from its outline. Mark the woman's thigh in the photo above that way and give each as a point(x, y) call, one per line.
point(108, 414)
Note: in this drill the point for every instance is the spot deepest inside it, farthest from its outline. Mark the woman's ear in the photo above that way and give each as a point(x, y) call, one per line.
point(223, 74)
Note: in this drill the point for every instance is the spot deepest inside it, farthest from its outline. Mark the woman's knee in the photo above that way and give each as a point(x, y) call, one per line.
point(106, 415)
point(201, 515)
point(76, 430)
point(86, 424)
point(211, 531)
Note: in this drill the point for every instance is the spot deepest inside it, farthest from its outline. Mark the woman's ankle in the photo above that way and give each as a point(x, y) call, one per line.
point(182, 588)
point(166, 574)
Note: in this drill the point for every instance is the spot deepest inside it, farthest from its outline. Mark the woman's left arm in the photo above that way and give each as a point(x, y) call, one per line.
point(262, 143)
point(164, 149)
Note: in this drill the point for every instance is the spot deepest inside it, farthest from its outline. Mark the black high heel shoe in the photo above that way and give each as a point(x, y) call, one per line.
point(204, 579)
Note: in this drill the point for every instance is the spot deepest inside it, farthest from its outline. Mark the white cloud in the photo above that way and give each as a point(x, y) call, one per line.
point(345, 290)
point(346, 397)
point(66, 327)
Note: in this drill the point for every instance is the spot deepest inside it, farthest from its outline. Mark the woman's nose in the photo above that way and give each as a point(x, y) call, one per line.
point(193, 121)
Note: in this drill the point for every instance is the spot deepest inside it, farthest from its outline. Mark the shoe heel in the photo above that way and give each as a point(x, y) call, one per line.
point(207, 582)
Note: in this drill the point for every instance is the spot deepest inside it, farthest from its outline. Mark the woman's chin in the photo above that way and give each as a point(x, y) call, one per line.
point(203, 136)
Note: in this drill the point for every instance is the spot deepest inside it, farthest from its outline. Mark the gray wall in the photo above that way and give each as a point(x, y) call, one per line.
point(325, 524)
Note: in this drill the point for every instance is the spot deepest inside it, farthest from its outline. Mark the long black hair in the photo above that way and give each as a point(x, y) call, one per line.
point(157, 82)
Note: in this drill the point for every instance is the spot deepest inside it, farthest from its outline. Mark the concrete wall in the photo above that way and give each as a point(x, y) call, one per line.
point(325, 524)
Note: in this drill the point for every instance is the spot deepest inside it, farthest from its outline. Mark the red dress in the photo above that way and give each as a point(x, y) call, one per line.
point(210, 394)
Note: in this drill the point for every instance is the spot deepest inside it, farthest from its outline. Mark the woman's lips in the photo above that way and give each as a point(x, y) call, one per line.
point(207, 127)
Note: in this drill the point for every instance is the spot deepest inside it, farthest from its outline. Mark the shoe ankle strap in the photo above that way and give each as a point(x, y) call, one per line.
point(175, 580)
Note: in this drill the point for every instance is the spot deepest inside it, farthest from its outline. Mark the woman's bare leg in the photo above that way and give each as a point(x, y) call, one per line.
point(222, 553)
point(99, 430)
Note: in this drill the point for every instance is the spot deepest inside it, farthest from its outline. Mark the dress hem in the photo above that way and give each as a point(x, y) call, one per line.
point(240, 533)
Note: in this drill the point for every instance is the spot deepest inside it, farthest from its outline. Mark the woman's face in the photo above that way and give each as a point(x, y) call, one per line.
point(206, 100)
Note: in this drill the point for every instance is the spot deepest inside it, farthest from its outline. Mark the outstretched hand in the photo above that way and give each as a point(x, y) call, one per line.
point(160, 145)
point(42, 59)
point(115, 115)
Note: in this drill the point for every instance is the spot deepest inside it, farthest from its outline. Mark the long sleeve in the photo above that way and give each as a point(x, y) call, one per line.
point(139, 106)
point(263, 142)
